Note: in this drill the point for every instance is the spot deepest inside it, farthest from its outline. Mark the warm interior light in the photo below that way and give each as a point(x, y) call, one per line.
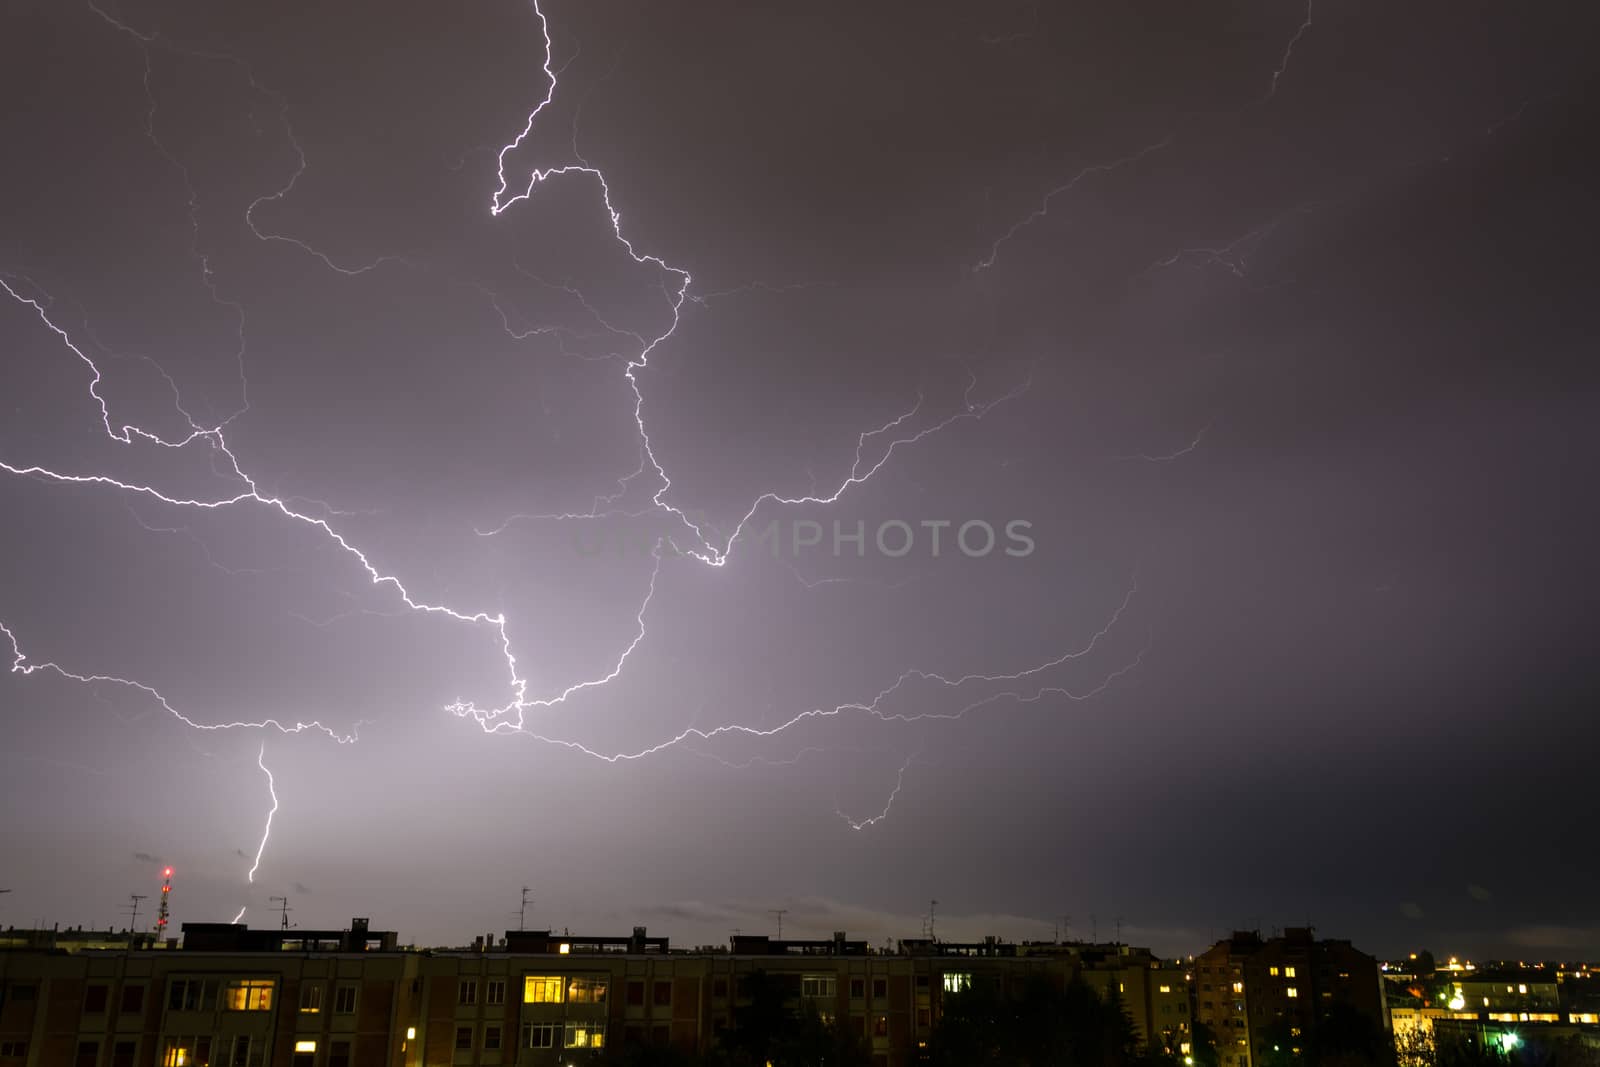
point(305, 1046)
point(411, 1033)
point(565, 948)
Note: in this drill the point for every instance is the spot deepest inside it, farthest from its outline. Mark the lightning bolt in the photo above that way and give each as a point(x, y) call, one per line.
point(902, 431)
point(1288, 51)
point(266, 831)
point(873, 820)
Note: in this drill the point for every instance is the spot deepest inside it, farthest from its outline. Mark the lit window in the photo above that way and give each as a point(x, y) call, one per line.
point(584, 1034)
point(1166, 989)
point(955, 982)
point(1273, 971)
point(1238, 987)
point(311, 998)
point(819, 985)
point(1291, 992)
point(566, 949)
point(248, 994)
point(1522, 989)
point(305, 1046)
point(1288, 972)
point(586, 991)
point(541, 989)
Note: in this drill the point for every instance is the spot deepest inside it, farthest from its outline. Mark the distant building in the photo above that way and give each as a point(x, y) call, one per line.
point(1248, 989)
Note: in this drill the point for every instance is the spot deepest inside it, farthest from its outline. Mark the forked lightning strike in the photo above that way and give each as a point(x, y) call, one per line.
point(1024, 685)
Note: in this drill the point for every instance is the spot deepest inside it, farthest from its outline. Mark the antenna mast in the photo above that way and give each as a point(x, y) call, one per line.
point(162, 913)
point(522, 912)
point(133, 909)
point(780, 913)
point(283, 909)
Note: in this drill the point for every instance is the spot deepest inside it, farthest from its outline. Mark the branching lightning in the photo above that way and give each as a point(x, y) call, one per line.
point(874, 449)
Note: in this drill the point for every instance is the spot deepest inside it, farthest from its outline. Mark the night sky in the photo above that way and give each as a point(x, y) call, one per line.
point(1271, 327)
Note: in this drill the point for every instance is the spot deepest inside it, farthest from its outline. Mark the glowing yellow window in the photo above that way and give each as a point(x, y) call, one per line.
point(585, 1035)
point(1273, 971)
point(1288, 972)
point(1238, 987)
point(305, 1046)
point(248, 994)
point(1291, 992)
point(541, 989)
point(1166, 989)
point(586, 991)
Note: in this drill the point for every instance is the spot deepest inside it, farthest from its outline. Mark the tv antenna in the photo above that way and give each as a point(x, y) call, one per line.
point(780, 913)
point(283, 909)
point(133, 908)
point(931, 905)
point(522, 912)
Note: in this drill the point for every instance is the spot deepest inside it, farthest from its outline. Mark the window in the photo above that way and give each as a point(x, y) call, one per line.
point(880, 988)
point(13, 1050)
point(467, 991)
point(246, 1054)
point(584, 1034)
point(95, 999)
point(922, 981)
point(248, 994)
point(495, 991)
point(191, 994)
point(662, 994)
point(88, 1054)
point(1273, 971)
point(719, 988)
point(659, 1034)
point(1238, 987)
point(305, 1053)
point(491, 1038)
point(955, 983)
point(924, 1017)
point(186, 1052)
point(20, 992)
point(463, 1039)
point(1291, 992)
point(541, 989)
point(858, 988)
point(122, 1052)
point(311, 998)
point(538, 1035)
point(880, 1026)
point(339, 1054)
point(132, 1001)
point(586, 991)
point(1288, 972)
point(1166, 989)
point(344, 1000)
point(636, 994)
point(818, 985)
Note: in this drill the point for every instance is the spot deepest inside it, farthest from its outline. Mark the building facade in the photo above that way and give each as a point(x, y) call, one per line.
point(1252, 992)
point(233, 997)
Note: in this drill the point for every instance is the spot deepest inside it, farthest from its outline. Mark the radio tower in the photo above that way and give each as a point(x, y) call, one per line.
point(162, 911)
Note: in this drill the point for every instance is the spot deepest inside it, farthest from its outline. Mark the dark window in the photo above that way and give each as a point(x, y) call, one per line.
point(467, 991)
point(922, 981)
point(132, 1000)
point(636, 993)
point(339, 1054)
point(304, 1059)
point(922, 1017)
point(88, 1054)
point(858, 988)
point(495, 993)
point(660, 1034)
point(880, 988)
point(663, 994)
point(122, 1051)
point(94, 1000)
point(344, 1000)
point(463, 1039)
point(13, 1050)
point(491, 1038)
point(719, 988)
point(633, 1034)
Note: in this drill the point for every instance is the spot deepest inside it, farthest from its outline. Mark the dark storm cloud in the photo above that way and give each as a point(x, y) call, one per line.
point(1309, 372)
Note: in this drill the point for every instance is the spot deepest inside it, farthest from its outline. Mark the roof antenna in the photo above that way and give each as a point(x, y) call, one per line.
point(522, 912)
point(133, 908)
point(283, 909)
point(780, 913)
